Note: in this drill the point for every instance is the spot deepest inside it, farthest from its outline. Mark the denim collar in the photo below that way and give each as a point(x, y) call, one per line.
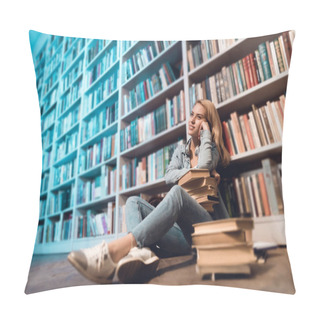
point(187, 148)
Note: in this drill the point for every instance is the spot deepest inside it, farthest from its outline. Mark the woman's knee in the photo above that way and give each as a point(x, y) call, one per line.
point(132, 200)
point(177, 189)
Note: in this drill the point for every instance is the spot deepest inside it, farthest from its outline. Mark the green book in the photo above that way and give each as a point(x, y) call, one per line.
point(264, 60)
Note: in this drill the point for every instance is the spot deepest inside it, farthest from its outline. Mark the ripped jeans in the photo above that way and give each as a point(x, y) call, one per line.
point(167, 228)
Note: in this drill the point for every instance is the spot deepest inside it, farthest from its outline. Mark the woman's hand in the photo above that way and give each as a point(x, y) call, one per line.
point(204, 126)
point(215, 175)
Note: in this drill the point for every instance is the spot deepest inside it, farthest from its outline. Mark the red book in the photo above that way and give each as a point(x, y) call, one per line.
point(227, 138)
point(254, 70)
point(264, 194)
point(250, 71)
point(145, 90)
point(246, 72)
point(167, 74)
point(247, 125)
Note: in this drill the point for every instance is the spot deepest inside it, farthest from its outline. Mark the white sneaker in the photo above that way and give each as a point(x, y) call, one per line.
point(94, 263)
point(138, 266)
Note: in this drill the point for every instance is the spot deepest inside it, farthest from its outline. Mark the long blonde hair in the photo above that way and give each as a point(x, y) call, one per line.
point(213, 119)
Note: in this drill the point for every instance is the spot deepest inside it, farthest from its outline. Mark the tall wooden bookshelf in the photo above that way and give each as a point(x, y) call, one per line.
point(89, 114)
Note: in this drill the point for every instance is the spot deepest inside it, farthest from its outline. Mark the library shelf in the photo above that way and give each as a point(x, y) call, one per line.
point(171, 54)
point(269, 89)
point(257, 154)
point(153, 143)
point(77, 52)
point(154, 101)
point(158, 186)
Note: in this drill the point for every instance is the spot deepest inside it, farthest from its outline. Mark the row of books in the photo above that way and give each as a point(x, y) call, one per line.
point(47, 139)
point(67, 122)
point(48, 120)
point(127, 44)
point(104, 89)
point(149, 87)
point(98, 187)
point(66, 231)
point(108, 59)
point(44, 182)
point(46, 160)
point(54, 46)
point(147, 169)
point(73, 74)
point(40, 232)
point(257, 128)
point(52, 65)
point(68, 42)
point(49, 101)
point(50, 82)
point(42, 207)
point(99, 121)
point(39, 59)
point(72, 54)
point(142, 58)
point(94, 224)
point(39, 83)
point(64, 172)
point(53, 231)
point(71, 96)
point(205, 49)
point(148, 126)
point(256, 193)
point(68, 144)
point(99, 152)
point(224, 246)
point(61, 200)
point(95, 47)
point(268, 60)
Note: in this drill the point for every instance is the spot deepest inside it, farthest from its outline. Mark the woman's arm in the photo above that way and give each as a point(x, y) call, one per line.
point(175, 169)
point(208, 156)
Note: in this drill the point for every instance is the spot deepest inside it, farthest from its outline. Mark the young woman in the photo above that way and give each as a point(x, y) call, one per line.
point(167, 228)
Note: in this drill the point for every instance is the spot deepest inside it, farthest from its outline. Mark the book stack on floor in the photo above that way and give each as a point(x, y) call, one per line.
point(201, 187)
point(224, 246)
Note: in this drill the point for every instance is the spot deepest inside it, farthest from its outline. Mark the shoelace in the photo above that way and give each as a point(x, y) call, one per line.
point(99, 252)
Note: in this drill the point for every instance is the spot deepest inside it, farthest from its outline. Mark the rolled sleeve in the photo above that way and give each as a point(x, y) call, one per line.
point(175, 169)
point(208, 155)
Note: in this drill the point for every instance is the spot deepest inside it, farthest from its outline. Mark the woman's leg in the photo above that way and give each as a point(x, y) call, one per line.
point(177, 207)
point(100, 262)
point(173, 243)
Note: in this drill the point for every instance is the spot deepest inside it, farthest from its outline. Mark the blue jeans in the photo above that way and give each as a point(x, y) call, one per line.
point(167, 228)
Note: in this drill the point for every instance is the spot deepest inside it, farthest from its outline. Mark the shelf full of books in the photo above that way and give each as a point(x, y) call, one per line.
point(112, 113)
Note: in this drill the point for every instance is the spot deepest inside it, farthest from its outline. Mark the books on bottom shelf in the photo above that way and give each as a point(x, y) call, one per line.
point(39, 237)
point(96, 223)
point(224, 246)
point(53, 231)
point(256, 193)
point(201, 187)
point(98, 187)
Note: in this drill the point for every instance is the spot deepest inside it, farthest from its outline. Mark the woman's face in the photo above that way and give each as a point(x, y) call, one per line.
point(197, 116)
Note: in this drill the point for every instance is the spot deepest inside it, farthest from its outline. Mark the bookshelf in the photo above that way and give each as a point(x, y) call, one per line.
point(111, 108)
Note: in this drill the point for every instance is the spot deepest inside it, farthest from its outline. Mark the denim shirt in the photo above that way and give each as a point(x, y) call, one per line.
point(208, 158)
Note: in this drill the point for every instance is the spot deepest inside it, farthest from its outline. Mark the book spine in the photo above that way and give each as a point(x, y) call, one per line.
point(264, 61)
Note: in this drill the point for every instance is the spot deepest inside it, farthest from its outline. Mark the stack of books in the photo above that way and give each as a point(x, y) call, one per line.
point(201, 187)
point(224, 246)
